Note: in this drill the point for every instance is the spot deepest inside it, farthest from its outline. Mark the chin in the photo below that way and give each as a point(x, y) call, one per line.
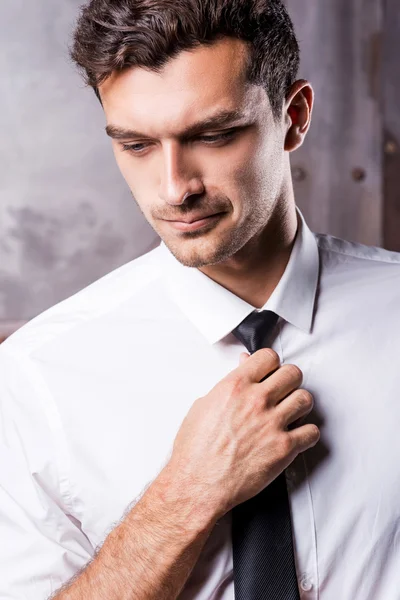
point(194, 257)
point(198, 253)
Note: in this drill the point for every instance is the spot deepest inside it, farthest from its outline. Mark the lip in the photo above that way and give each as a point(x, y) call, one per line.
point(182, 226)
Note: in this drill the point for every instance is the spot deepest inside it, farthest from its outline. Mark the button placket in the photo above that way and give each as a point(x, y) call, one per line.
point(303, 519)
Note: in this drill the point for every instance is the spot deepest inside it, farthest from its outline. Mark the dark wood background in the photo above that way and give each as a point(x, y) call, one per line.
point(66, 216)
point(347, 174)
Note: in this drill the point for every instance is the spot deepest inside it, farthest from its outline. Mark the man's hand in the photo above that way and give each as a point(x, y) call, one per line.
point(235, 440)
point(232, 443)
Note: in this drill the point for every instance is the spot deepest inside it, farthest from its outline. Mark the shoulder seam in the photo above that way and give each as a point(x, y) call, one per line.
point(41, 319)
point(370, 258)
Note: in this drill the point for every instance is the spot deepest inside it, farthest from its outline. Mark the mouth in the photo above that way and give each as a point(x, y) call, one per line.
point(198, 224)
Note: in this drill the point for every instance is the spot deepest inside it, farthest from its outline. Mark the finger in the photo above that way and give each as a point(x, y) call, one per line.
point(304, 437)
point(281, 383)
point(260, 364)
point(243, 357)
point(296, 405)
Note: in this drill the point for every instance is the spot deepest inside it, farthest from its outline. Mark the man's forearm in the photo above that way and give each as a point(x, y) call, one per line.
point(153, 551)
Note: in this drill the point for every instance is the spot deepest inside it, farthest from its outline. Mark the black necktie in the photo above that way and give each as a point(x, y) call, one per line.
point(263, 557)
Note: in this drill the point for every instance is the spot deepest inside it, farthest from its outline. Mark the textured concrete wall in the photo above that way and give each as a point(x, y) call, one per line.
point(66, 215)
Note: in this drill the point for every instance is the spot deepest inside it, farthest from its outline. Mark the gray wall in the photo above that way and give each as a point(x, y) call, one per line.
point(67, 216)
point(337, 172)
point(347, 174)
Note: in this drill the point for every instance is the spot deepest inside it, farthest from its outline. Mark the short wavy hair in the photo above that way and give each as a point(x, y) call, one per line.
point(112, 35)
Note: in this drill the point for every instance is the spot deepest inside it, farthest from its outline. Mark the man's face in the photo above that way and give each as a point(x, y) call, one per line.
point(240, 176)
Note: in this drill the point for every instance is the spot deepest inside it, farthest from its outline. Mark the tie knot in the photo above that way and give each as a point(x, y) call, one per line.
point(255, 329)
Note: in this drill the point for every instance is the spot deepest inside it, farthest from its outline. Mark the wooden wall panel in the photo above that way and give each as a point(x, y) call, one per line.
point(391, 123)
point(337, 172)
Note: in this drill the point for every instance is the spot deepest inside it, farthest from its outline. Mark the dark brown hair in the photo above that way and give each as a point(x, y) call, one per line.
point(112, 35)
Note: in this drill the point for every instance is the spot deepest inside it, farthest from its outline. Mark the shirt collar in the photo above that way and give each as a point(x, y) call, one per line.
point(215, 311)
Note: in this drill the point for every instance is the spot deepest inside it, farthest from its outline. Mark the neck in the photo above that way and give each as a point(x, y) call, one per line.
point(254, 272)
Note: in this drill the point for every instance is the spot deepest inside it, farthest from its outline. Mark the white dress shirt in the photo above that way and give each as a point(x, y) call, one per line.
point(94, 390)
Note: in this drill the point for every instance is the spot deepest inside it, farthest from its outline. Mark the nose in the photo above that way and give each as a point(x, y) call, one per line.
point(178, 179)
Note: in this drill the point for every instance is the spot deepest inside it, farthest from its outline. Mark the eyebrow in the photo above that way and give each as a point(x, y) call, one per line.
point(222, 118)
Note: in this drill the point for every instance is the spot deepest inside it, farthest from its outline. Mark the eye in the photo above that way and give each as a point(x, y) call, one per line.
point(133, 148)
point(216, 138)
point(207, 139)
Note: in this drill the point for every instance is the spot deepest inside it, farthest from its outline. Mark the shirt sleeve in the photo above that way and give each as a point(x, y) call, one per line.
point(41, 543)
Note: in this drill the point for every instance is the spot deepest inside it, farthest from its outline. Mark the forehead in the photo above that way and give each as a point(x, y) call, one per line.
point(189, 87)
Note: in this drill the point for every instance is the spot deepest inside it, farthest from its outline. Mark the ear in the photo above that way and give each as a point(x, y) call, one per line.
point(298, 110)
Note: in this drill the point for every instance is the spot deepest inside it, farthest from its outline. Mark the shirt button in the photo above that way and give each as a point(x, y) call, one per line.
point(306, 584)
point(290, 474)
point(290, 479)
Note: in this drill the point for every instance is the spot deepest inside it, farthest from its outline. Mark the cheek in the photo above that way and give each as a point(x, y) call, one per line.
point(269, 165)
point(251, 168)
point(136, 179)
point(238, 165)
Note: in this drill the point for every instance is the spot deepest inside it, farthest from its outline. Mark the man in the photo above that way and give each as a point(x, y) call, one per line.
point(134, 422)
